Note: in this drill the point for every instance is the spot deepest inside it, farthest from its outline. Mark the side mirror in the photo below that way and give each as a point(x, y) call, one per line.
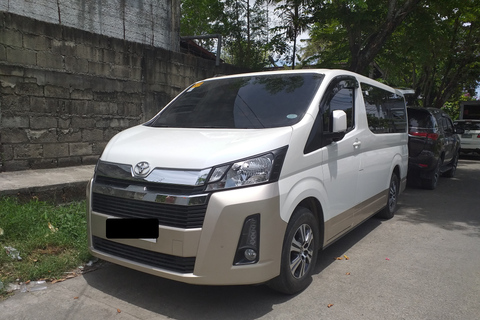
point(339, 121)
point(339, 127)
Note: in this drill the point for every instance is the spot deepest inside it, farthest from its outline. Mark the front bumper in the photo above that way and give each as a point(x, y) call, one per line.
point(201, 255)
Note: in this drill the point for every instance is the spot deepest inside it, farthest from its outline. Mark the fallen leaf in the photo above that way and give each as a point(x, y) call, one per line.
point(348, 273)
point(75, 297)
point(330, 305)
point(118, 310)
point(338, 258)
point(387, 259)
point(346, 258)
point(27, 282)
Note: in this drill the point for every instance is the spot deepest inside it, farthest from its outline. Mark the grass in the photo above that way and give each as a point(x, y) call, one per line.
point(51, 240)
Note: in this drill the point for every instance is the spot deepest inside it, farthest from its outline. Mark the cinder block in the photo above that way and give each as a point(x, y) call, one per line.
point(80, 149)
point(57, 92)
point(55, 150)
point(6, 152)
point(15, 165)
point(69, 135)
point(90, 135)
point(42, 136)
point(21, 56)
point(45, 122)
point(15, 121)
point(43, 163)
point(69, 162)
point(28, 151)
point(13, 135)
point(90, 159)
point(80, 123)
point(36, 42)
point(11, 38)
point(50, 60)
point(82, 94)
point(76, 65)
point(29, 89)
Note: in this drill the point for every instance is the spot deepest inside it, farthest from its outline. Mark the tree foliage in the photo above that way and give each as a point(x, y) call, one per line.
point(243, 26)
point(431, 46)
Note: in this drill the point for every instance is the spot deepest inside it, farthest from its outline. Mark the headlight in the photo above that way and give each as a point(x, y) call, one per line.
point(242, 173)
point(261, 169)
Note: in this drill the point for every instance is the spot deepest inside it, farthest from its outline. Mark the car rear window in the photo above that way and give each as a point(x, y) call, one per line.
point(262, 101)
point(418, 118)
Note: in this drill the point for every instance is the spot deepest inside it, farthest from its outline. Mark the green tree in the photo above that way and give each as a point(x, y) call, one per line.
point(295, 18)
point(351, 33)
point(242, 25)
point(436, 51)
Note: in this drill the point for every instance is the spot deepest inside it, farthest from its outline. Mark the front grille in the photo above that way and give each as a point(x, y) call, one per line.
point(185, 217)
point(151, 258)
point(150, 186)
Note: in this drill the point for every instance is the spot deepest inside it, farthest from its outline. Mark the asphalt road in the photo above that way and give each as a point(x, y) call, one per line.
point(422, 264)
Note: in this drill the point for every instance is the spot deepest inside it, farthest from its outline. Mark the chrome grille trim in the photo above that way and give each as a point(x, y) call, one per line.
point(157, 175)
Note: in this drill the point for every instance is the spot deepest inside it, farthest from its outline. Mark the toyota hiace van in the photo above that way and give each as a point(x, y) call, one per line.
point(243, 179)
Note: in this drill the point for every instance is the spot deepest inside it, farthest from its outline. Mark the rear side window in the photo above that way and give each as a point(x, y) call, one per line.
point(250, 102)
point(385, 110)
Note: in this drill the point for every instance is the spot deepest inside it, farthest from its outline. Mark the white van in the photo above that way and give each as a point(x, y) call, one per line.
point(242, 179)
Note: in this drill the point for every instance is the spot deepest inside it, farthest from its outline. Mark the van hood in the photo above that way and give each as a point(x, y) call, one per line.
point(179, 148)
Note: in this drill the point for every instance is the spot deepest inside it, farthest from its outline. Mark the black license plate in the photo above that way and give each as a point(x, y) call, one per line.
point(132, 228)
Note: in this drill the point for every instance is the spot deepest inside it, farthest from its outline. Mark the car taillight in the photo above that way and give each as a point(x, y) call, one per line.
point(433, 136)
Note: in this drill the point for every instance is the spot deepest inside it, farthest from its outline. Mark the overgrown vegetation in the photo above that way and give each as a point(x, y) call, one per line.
point(50, 240)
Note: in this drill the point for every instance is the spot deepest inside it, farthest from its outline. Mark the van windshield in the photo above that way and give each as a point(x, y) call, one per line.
point(249, 102)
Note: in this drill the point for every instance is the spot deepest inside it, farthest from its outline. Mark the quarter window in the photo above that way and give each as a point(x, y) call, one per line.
point(385, 110)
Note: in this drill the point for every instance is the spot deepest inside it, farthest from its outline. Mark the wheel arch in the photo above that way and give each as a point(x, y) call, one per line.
point(312, 204)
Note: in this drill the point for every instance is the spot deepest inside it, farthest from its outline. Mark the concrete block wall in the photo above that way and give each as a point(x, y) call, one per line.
point(65, 92)
point(153, 22)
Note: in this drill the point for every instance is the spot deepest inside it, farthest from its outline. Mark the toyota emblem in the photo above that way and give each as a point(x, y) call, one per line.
point(141, 169)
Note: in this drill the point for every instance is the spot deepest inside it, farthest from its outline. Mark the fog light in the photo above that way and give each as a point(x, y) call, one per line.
point(248, 244)
point(250, 254)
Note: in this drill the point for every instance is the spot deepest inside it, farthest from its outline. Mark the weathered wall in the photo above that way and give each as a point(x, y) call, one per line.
point(153, 22)
point(65, 92)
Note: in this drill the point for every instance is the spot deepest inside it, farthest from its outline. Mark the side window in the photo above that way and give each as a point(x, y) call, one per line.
point(341, 96)
point(385, 110)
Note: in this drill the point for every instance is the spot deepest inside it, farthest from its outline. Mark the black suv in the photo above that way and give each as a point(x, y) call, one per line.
point(433, 146)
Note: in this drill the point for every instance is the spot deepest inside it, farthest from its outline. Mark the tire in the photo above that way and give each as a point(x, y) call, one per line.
point(393, 190)
point(431, 182)
point(299, 253)
point(451, 172)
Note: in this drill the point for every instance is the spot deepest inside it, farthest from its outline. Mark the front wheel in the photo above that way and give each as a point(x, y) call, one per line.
point(393, 190)
point(299, 253)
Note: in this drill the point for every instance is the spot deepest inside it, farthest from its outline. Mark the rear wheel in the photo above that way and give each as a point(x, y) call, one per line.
point(453, 167)
point(299, 253)
point(389, 211)
point(432, 181)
